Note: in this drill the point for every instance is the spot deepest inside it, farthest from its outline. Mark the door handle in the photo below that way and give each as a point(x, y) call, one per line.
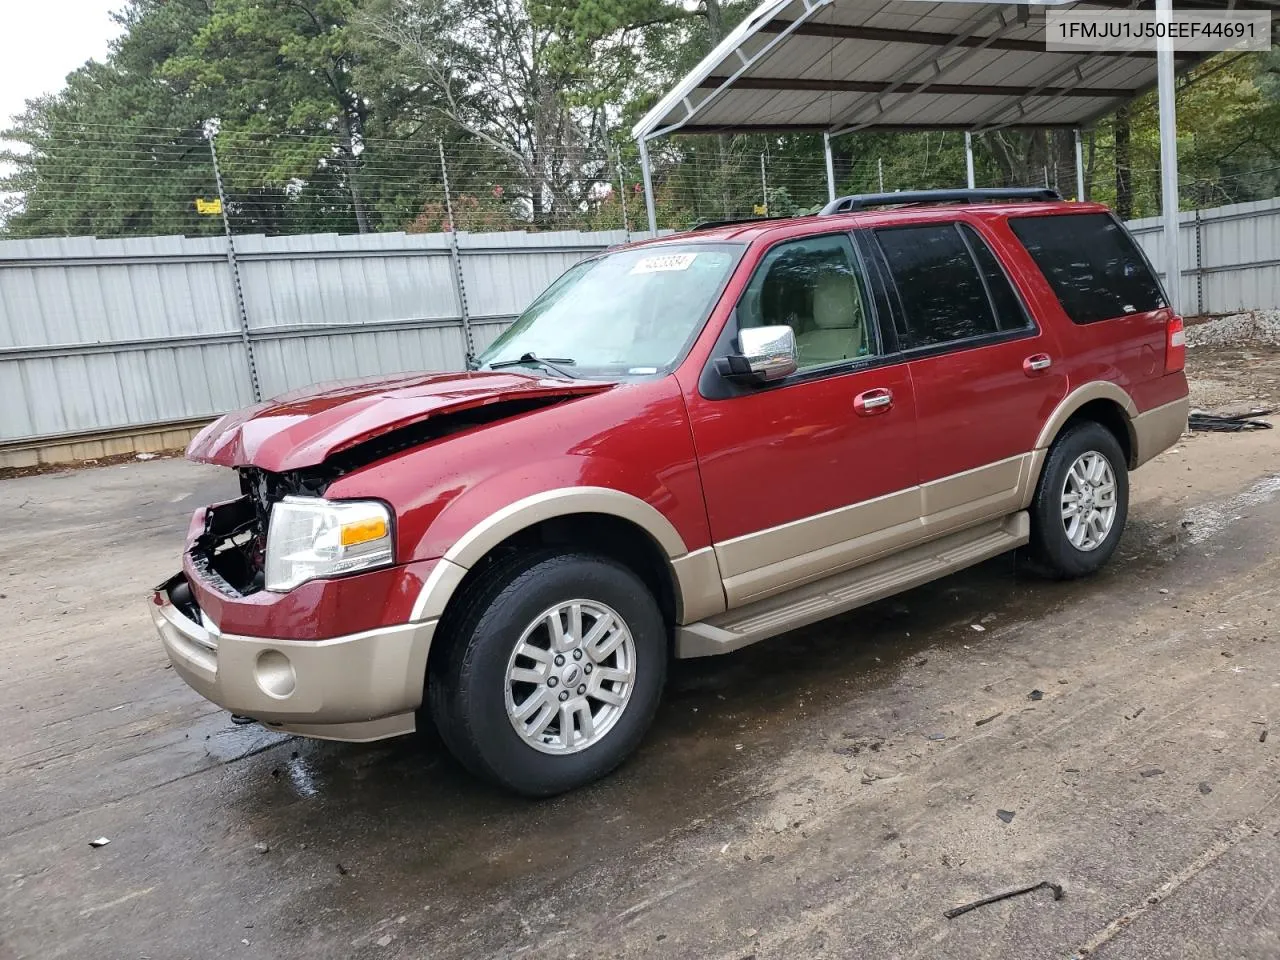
point(869, 403)
point(1036, 364)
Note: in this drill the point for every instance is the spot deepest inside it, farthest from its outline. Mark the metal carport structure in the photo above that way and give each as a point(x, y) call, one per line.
point(842, 66)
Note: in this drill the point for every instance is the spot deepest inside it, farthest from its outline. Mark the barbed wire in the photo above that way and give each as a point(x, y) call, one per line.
point(146, 180)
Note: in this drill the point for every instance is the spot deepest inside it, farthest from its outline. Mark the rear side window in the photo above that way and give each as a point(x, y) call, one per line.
point(943, 294)
point(1010, 313)
point(1092, 264)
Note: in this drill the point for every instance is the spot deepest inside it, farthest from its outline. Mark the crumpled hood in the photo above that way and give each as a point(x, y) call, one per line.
point(304, 428)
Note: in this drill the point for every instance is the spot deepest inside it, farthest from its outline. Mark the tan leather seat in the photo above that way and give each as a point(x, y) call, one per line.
point(837, 321)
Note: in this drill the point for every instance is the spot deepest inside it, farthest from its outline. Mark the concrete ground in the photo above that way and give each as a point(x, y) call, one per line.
point(826, 794)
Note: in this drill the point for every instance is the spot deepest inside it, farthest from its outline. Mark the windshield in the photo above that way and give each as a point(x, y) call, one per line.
point(629, 313)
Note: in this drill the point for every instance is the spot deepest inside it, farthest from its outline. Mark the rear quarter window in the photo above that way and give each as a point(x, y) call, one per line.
point(1094, 267)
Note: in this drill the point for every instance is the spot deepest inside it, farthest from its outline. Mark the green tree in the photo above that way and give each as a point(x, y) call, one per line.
point(117, 151)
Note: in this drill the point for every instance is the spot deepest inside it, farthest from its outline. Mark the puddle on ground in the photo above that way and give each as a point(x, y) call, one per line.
point(1209, 519)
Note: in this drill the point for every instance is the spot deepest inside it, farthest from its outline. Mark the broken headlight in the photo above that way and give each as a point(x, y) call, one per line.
point(309, 538)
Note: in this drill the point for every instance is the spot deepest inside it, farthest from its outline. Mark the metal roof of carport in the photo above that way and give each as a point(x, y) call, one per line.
point(841, 66)
point(844, 65)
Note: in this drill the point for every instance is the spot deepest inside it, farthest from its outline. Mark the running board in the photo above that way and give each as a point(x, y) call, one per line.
point(851, 588)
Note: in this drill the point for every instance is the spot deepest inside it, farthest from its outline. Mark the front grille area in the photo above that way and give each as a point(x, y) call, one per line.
point(231, 553)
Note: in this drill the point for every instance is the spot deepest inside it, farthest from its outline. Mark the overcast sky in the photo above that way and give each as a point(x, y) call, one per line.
point(43, 41)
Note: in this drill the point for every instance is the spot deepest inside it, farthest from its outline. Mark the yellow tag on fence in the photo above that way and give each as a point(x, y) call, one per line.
point(208, 208)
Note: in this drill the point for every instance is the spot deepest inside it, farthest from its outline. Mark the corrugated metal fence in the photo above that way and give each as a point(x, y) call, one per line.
point(1230, 256)
point(98, 335)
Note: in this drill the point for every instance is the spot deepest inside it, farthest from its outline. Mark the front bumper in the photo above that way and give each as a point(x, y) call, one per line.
point(363, 686)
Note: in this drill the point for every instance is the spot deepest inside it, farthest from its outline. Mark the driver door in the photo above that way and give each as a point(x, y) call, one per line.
point(815, 473)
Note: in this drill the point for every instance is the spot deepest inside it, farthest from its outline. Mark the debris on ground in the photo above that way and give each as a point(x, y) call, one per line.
point(978, 627)
point(1136, 714)
point(1228, 423)
point(1035, 695)
point(1205, 788)
point(241, 721)
point(985, 720)
point(261, 847)
point(1258, 326)
point(1262, 737)
point(384, 940)
point(1151, 772)
point(1005, 815)
point(1005, 895)
point(100, 842)
point(935, 736)
point(342, 871)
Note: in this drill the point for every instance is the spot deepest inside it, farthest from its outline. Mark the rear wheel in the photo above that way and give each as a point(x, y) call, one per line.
point(553, 672)
point(1081, 503)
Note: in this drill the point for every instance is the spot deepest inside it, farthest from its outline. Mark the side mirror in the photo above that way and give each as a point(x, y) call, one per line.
point(765, 354)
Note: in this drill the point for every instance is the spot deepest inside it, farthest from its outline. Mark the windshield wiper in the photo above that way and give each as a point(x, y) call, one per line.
point(550, 363)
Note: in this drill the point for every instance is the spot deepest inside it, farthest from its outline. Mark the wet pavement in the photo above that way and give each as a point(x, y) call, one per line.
point(825, 794)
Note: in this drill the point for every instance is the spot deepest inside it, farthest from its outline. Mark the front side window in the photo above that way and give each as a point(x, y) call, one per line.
point(630, 313)
point(816, 287)
point(942, 292)
point(1092, 264)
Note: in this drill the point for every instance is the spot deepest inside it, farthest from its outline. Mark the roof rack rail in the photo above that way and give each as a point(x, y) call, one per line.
point(863, 201)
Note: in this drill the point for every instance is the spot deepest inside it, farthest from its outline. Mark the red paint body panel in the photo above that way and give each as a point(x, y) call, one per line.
point(318, 609)
point(787, 453)
point(304, 428)
point(634, 438)
point(716, 469)
point(1127, 351)
point(980, 406)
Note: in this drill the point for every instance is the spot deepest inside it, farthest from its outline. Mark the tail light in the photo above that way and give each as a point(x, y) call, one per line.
point(1175, 347)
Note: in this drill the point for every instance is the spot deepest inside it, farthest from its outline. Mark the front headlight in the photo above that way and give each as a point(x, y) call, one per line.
point(308, 538)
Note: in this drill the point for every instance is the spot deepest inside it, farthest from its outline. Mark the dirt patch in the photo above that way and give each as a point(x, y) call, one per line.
point(1234, 379)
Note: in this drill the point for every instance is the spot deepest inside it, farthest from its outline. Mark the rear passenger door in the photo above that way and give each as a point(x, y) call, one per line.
point(984, 373)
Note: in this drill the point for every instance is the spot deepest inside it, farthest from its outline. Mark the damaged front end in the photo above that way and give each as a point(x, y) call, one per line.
point(297, 448)
point(230, 554)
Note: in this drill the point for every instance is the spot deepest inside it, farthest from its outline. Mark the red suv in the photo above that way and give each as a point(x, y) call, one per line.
point(682, 447)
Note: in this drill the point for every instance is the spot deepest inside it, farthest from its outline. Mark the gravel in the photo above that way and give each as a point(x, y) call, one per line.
point(1251, 327)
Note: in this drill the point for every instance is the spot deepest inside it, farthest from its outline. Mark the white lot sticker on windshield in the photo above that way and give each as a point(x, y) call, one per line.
point(666, 262)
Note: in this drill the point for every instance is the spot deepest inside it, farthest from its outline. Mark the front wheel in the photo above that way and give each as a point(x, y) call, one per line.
point(1081, 503)
point(553, 672)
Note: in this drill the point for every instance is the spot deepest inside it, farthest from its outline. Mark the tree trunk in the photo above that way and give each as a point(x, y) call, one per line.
point(353, 178)
point(1124, 183)
point(1003, 157)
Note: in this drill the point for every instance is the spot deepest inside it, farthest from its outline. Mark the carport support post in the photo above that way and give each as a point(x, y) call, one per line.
point(648, 187)
point(1079, 168)
point(831, 169)
point(968, 160)
point(1168, 157)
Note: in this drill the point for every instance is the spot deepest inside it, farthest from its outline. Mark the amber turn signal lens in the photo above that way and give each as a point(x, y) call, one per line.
point(363, 531)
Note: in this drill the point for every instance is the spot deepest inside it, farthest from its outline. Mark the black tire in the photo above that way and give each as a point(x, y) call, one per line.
point(467, 686)
point(1051, 550)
